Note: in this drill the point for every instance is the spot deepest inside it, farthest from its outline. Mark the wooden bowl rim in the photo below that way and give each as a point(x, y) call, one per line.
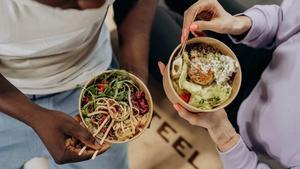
point(232, 54)
point(141, 85)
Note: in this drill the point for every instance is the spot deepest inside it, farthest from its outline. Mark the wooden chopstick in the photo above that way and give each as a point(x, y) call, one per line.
point(107, 131)
point(98, 130)
point(95, 154)
point(101, 126)
point(82, 150)
point(183, 45)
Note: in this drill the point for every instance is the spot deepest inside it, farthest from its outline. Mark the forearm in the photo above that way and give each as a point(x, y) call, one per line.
point(233, 151)
point(224, 135)
point(265, 21)
point(15, 104)
point(240, 157)
point(134, 34)
point(137, 23)
point(76, 4)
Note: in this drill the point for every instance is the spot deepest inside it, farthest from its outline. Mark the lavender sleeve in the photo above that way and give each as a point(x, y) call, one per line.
point(240, 157)
point(266, 20)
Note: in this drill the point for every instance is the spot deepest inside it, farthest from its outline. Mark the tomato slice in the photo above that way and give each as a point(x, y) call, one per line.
point(185, 96)
point(101, 87)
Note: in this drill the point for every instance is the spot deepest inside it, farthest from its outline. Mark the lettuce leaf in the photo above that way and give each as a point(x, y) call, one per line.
point(203, 97)
point(209, 97)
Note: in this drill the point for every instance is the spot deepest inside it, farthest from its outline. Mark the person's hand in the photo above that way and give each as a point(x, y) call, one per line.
point(212, 16)
point(77, 4)
point(64, 136)
point(207, 120)
point(216, 123)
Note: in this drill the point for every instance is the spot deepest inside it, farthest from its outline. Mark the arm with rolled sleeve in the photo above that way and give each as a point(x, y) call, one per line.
point(240, 157)
point(266, 20)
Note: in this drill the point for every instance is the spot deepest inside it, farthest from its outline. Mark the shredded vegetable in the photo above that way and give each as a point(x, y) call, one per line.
point(114, 107)
point(202, 76)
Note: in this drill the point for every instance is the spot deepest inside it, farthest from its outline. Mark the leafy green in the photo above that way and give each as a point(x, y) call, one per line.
point(208, 97)
point(115, 83)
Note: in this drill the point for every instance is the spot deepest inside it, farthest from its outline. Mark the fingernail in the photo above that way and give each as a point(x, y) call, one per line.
point(176, 107)
point(194, 27)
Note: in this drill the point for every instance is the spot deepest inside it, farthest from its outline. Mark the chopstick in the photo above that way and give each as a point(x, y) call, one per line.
point(98, 130)
point(82, 150)
point(101, 126)
point(183, 45)
point(104, 137)
point(107, 131)
point(95, 154)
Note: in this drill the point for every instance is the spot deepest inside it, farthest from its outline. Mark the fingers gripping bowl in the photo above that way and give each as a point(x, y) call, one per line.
point(205, 78)
point(115, 106)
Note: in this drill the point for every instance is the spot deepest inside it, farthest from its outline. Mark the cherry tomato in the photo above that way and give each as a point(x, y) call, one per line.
point(185, 96)
point(101, 87)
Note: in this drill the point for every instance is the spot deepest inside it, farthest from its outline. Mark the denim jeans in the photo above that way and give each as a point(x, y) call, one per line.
point(19, 143)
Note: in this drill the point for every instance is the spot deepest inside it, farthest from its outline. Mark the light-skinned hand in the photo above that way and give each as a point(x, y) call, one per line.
point(212, 16)
point(216, 123)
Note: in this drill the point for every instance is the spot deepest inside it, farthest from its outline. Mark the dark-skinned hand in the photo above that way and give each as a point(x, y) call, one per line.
point(64, 137)
point(76, 4)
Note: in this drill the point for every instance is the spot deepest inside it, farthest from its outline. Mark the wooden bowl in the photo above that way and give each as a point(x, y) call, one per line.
point(225, 50)
point(148, 96)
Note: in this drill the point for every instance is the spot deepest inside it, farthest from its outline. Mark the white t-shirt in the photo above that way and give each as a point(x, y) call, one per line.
point(45, 50)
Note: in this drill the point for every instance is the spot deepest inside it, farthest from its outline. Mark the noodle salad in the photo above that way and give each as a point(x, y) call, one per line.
point(202, 76)
point(114, 107)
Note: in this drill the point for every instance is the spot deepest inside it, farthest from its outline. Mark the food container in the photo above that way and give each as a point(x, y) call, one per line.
point(140, 85)
point(225, 50)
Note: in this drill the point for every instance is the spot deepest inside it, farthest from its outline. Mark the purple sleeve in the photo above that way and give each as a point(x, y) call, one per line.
point(266, 20)
point(240, 157)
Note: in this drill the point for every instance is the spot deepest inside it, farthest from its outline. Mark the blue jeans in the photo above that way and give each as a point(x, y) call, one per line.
point(19, 143)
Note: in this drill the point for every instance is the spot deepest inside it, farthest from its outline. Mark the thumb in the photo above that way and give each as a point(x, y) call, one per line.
point(161, 67)
point(83, 135)
point(199, 26)
point(78, 119)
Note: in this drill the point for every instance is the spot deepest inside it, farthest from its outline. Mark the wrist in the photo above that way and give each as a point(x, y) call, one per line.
point(240, 25)
point(230, 144)
point(223, 134)
point(33, 114)
point(140, 72)
point(134, 62)
point(10, 104)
